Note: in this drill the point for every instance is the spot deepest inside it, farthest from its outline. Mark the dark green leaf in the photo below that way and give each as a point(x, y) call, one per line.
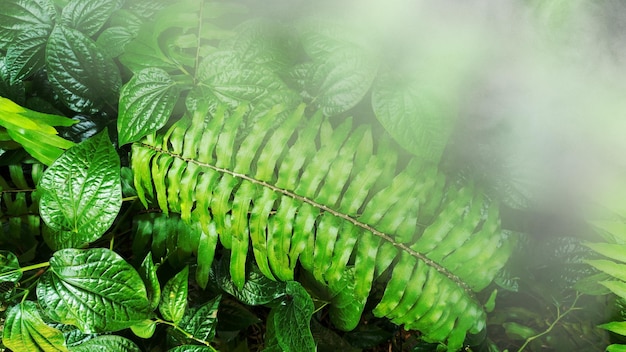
point(146, 103)
point(107, 343)
point(174, 297)
point(83, 76)
point(257, 289)
point(200, 322)
point(150, 279)
point(191, 348)
point(17, 16)
point(12, 90)
point(24, 330)
point(9, 267)
point(88, 16)
point(81, 192)
point(233, 316)
point(292, 318)
point(95, 290)
point(26, 55)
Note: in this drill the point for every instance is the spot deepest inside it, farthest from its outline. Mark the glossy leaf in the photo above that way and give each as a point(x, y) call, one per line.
point(17, 16)
point(107, 343)
point(83, 76)
point(146, 103)
point(144, 52)
point(11, 90)
point(145, 329)
point(174, 297)
point(25, 330)
point(88, 16)
point(150, 279)
point(81, 192)
point(201, 321)
point(257, 289)
point(26, 55)
point(9, 267)
point(291, 320)
point(113, 40)
point(94, 289)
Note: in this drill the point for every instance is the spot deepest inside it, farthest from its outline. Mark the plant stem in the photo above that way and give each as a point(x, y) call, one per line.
point(559, 316)
point(187, 335)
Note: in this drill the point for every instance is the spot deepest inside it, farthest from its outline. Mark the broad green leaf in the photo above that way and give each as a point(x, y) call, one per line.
point(291, 319)
point(144, 52)
point(191, 348)
point(174, 297)
point(233, 316)
point(257, 289)
point(25, 330)
point(150, 279)
point(94, 289)
point(230, 80)
point(107, 343)
point(83, 76)
point(617, 287)
point(201, 322)
point(17, 16)
point(81, 192)
point(618, 327)
point(616, 348)
point(146, 103)
point(145, 329)
point(9, 267)
point(27, 54)
point(418, 118)
point(88, 16)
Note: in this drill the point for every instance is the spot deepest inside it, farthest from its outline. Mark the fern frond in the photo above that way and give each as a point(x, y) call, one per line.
point(345, 208)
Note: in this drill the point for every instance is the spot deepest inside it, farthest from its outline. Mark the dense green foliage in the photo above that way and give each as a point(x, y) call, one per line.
point(201, 175)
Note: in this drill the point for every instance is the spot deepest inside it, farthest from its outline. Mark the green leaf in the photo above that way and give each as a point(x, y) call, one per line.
point(291, 319)
point(618, 327)
point(17, 16)
point(257, 289)
point(616, 270)
point(145, 329)
point(94, 289)
point(12, 90)
point(616, 348)
point(83, 76)
point(419, 119)
point(144, 52)
point(25, 330)
point(88, 16)
point(81, 192)
point(610, 250)
point(200, 322)
point(113, 40)
point(26, 55)
point(233, 316)
point(150, 279)
point(107, 343)
point(146, 103)
point(174, 297)
point(9, 267)
point(191, 348)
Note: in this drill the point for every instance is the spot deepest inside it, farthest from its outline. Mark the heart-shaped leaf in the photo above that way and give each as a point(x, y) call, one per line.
point(88, 16)
point(81, 192)
point(291, 320)
point(174, 297)
point(201, 322)
point(24, 330)
point(83, 76)
point(17, 16)
point(26, 55)
point(146, 103)
point(94, 289)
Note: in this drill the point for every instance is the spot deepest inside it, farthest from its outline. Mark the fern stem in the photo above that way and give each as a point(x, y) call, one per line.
point(355, 222)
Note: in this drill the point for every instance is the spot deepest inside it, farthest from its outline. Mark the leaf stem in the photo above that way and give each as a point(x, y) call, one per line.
point(187, 335)
point(559, 316)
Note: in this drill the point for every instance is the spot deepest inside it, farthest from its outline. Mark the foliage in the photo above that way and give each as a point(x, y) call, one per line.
point(235, 181)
